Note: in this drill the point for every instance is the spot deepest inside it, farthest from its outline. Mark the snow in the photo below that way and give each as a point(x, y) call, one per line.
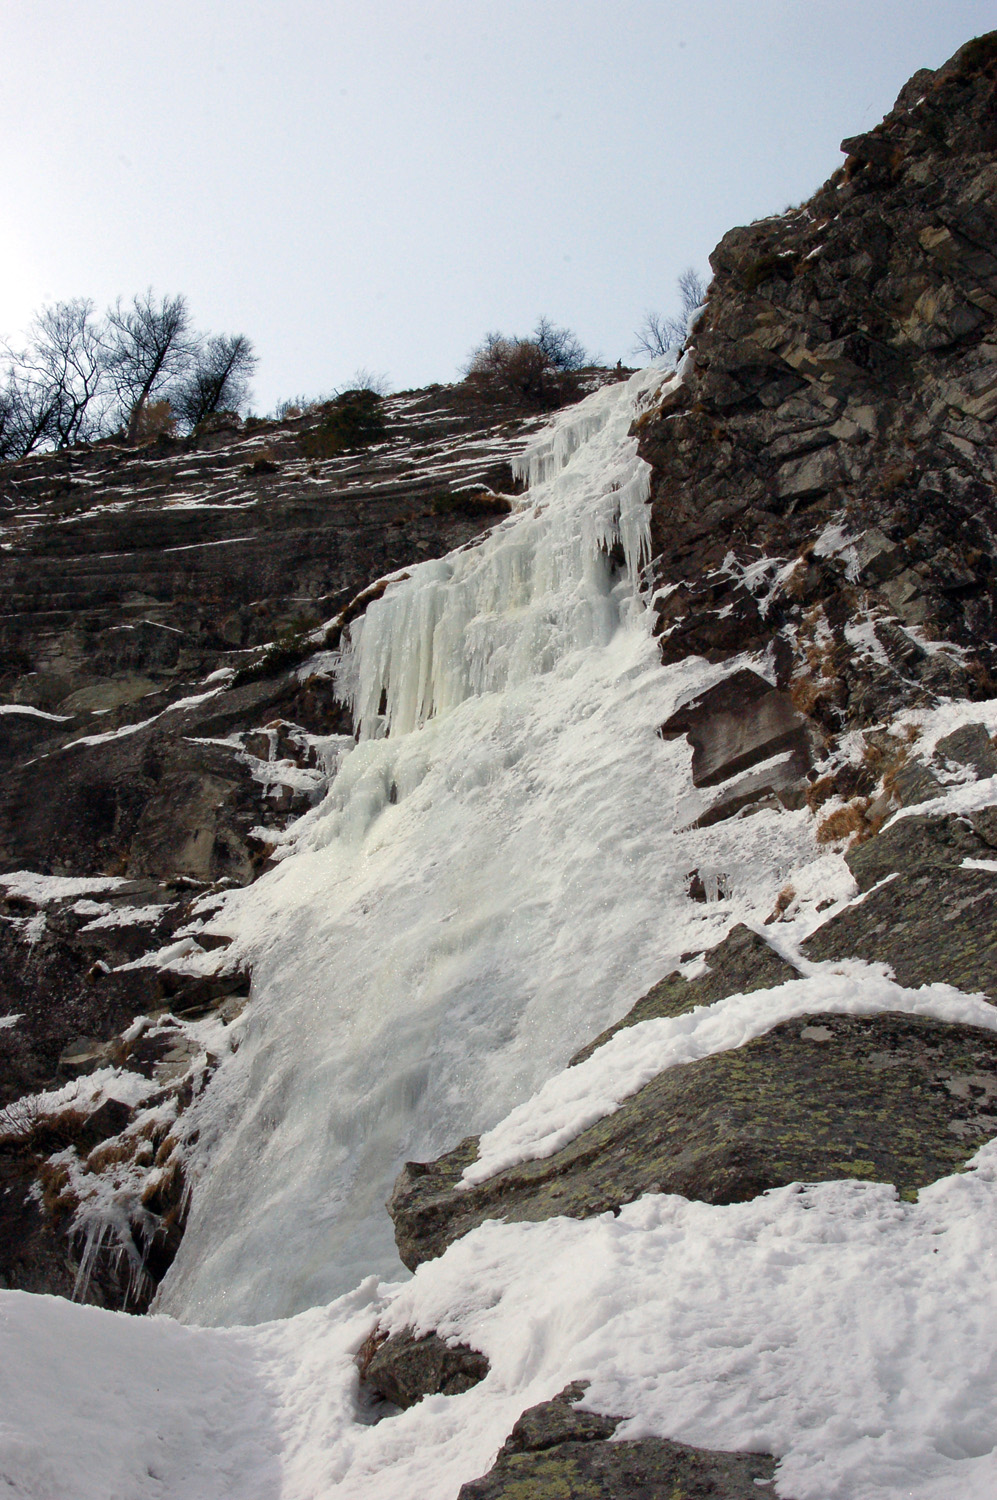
point(81, 1095)
point(117, 734)
point(508, 846)
point(123, 916)
point(848, 1332)
point(34, 713)
point(41, 889)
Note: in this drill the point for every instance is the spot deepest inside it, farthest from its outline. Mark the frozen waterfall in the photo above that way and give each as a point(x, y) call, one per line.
point(497, 853)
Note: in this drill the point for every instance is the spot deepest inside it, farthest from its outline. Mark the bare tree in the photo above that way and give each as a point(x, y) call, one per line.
point(25, 415)
point(54, 388)
point(218, 380)
point(147, 347)
point(363, 379)
point(66, 359)
point(559, 346)
point(663, 337)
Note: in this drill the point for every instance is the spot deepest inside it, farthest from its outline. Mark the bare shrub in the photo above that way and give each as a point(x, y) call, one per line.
point(155, 421)
point(539, 371)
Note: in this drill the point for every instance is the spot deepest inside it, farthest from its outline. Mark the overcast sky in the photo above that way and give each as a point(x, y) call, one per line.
point(371, 183)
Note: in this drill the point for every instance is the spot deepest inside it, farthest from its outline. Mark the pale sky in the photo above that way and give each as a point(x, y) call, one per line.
point(370, 183)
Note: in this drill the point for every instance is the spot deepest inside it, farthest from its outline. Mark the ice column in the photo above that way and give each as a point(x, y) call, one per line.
point(545, 582)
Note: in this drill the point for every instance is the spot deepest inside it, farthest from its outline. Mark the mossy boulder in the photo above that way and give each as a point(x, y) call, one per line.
point(889, 1098)
point(939, 925)
point(917, 843)
point(557, 1452)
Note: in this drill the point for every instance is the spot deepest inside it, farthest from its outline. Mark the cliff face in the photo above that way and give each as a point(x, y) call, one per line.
point(844, 373)
point(754, 1211)
point(156, 737)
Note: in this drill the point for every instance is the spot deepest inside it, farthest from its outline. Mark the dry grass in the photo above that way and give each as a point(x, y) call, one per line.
point(783, 901)
point(820, 791)
point(844, 822)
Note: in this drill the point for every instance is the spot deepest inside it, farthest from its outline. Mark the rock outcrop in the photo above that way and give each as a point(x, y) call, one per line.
point(559, 1450)
point(829, 458)
point(403, 1367)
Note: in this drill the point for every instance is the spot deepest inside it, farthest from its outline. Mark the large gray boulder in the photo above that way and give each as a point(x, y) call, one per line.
point(557, 1452)
point(888, 1098)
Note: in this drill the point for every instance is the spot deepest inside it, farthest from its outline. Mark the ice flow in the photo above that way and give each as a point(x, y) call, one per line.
point(489, 880)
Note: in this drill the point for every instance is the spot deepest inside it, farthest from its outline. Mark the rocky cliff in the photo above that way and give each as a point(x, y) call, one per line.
point(156, 737)
point(824, 495)
point(822, 480)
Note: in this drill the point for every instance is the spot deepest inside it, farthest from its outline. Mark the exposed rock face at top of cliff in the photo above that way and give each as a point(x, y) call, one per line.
point(831, 454)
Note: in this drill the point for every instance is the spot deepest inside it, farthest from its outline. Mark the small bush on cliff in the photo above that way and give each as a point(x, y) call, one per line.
point(354, 419)
point(539, 371)
point(293, 646)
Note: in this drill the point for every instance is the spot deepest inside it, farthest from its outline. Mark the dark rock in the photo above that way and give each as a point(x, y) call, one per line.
point(890, 1098)
point(732, 726)
point(916, 843)
point(779, 785)
point(403, 1368)
point(970, 746)
point(931, 927)
point(559, 1421)
point(914, 783)
point(743, 962)
point(557, 1451)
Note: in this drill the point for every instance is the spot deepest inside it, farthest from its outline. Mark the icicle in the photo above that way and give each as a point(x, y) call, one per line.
point(539, 586)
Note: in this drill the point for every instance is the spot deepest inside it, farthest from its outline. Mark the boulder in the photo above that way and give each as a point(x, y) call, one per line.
point(970, 746)
point(736, 724)
point(889, 1098)
point(405, 1367)
point(556, 1450)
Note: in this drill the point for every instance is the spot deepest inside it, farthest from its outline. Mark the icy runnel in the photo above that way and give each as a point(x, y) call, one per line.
point(540, 585)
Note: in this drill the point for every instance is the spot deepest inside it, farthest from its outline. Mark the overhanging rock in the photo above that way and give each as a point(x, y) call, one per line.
point(740, 723)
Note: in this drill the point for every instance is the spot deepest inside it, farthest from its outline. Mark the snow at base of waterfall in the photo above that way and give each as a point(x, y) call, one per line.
point(848, 1332)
